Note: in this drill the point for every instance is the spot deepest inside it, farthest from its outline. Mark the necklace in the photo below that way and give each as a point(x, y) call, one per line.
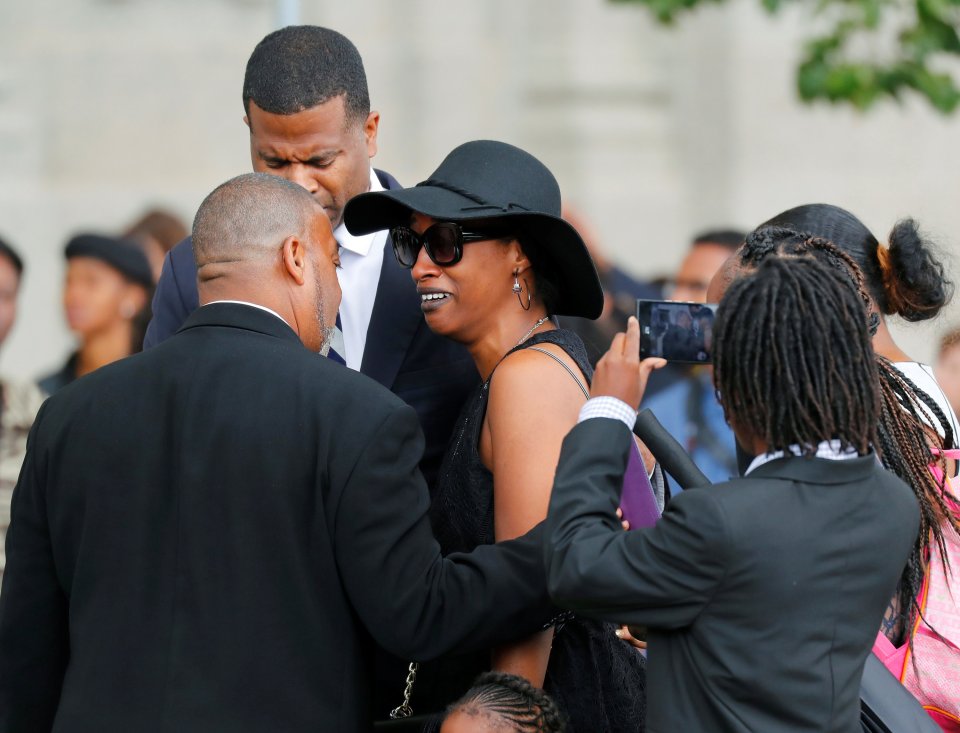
point(534, 328)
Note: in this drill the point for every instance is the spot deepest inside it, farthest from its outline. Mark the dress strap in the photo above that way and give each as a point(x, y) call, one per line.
point(561, 362)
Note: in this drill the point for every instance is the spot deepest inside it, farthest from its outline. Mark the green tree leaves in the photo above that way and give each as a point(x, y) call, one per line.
point(872, 49)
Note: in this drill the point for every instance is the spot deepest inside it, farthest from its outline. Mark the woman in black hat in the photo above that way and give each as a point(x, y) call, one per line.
point(494, 262)
point(106, 299)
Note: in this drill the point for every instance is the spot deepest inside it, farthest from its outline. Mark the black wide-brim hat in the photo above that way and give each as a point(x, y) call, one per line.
point(490, 180)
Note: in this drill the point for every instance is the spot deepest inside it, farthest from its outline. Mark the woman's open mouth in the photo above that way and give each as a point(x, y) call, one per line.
point(433, 299)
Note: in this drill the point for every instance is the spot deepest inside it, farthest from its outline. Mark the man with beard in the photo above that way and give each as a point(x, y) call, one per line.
point(206, 536)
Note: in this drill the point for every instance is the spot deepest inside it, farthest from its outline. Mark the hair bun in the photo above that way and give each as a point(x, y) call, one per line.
point(913, 278)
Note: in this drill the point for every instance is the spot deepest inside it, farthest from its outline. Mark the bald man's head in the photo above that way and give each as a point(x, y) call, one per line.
point(260, 239)
point(248, 218)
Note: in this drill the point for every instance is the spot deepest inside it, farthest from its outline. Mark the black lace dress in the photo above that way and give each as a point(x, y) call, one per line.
point(597, 679)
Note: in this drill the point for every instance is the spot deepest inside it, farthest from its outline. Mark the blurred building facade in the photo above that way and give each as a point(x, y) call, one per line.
point(108, 107)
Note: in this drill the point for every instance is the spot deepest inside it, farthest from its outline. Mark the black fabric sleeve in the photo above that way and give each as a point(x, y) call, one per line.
point(660, 577)
point(414, 602)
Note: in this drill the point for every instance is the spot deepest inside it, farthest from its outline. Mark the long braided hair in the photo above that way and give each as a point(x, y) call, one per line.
point(904, 431)
point(790, 373)
point(511, 700)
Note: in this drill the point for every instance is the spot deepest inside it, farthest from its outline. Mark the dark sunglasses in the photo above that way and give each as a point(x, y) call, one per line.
point(443, 241)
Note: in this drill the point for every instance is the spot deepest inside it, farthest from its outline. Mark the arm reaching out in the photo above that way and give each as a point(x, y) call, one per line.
point(660, 577)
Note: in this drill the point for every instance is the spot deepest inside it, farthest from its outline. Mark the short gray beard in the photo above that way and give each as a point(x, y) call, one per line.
point(327, 337)
point(320, 305)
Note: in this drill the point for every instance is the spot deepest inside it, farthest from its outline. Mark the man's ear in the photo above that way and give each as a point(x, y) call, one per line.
point(294, 256)
point(370, 128)
point(246, 121)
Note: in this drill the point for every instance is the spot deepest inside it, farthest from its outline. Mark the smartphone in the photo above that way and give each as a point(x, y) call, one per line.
point(676, 331)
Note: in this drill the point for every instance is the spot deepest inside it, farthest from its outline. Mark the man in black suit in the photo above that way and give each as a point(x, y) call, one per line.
point(206, 537)
point(307, 108)
point(762, 596)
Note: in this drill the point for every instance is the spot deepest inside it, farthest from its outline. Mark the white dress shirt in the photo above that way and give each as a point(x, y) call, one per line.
point(361, 259)
point(829, 449)
point(611, 407)
point(252, 305)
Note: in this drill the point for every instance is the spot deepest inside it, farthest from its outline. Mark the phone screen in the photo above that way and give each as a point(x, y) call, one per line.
point(676, 331)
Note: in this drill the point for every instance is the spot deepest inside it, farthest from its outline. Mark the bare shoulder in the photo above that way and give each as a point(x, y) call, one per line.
point(531, 382)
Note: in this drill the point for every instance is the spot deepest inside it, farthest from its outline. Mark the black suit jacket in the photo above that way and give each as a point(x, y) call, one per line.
point(762, 595)
point(206, 536)
point(430, 373)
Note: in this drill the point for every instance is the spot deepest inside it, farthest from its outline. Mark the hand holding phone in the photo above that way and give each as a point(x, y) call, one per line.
point(676, 331)
point(620, 373)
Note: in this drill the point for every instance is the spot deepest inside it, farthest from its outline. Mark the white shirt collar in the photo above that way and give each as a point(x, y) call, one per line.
point(359, 245)
point(252, 305)
point(829, 449)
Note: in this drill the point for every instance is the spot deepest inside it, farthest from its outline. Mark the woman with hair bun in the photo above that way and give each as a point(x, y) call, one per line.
point(909, 281)
point(904, 434)
point(904, 278)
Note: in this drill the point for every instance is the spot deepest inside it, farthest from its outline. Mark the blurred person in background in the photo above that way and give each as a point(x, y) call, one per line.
point(682, 396)
point(19, 401)
point(620, 292)
point(947, 368)
point(106, 299)
point(157, 232)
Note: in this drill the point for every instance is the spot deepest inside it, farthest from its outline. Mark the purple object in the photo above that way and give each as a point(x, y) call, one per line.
point(637, 502)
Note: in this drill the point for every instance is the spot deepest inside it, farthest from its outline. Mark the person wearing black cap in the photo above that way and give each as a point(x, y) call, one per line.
point(494, 262)
point(106, 299)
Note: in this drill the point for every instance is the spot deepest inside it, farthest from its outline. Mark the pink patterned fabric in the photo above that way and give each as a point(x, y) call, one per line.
point(934, 678)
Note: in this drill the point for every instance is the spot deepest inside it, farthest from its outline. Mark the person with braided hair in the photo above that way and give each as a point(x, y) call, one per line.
point(905, 278)
point(761, 595)
point(504, 703)
point(907, 413)
point(907, 444)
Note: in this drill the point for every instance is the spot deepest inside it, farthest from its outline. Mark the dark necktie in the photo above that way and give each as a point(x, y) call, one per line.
point(333, 354)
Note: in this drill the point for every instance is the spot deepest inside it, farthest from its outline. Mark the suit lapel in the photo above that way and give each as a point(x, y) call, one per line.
point(395, 319)
point(396, 314)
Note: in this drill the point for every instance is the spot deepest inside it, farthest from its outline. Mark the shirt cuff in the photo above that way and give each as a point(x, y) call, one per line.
point(608, 407)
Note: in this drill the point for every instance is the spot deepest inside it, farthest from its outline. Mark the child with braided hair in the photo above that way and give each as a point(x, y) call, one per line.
point(503, 703)
point(912, 421)
point(913, 431)
point(905, 278)
point(761, 595)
